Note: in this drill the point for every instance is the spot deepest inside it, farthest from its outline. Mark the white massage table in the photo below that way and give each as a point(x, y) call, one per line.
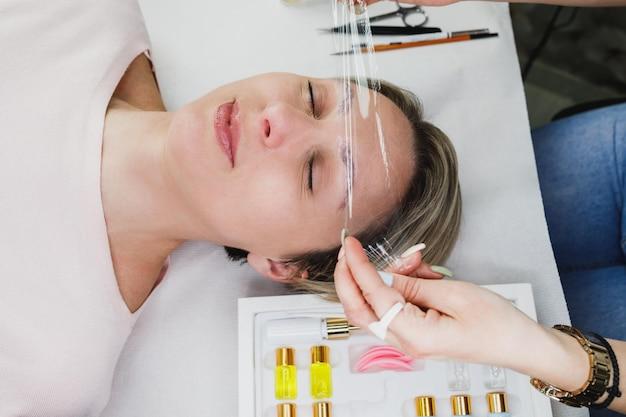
point(181, 359)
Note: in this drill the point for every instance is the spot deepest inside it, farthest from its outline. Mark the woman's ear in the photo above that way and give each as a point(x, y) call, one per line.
point(274, 270)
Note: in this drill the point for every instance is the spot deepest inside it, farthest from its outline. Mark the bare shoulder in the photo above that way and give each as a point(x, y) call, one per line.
point(138, 86)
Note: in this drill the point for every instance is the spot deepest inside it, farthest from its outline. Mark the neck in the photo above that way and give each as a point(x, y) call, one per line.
point(145, 220)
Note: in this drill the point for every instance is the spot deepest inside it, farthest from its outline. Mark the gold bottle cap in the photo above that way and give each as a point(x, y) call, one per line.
point(286, 410)
point(285, 356)
point(497, 402)
point(322, 409)
point(338, 328)
point(320, 354)
point(425, 406)
point(461, 405)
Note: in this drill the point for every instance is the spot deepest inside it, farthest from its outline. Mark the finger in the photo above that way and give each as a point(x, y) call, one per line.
point(448, 297)
point(406, 264)
point(413, 266)
point(379, 296)
point(357, 310)
point(420, 333)
point(424, 271)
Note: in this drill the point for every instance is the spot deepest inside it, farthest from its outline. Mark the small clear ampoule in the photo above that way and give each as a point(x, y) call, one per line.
point(286, 378)
point(458, 376)
point(494, 376)
point(321, 373)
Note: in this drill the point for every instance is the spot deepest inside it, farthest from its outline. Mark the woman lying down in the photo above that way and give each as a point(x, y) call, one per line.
point(101, 183)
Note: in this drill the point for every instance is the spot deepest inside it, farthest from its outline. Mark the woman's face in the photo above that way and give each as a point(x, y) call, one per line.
point(281, 189)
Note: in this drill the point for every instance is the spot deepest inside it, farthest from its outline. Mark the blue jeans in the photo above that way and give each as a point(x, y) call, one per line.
point(581, 162)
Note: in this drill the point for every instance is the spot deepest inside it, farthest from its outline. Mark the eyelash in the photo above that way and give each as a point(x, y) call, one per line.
point(310, 163)
point(312, 101)
point(311, 160)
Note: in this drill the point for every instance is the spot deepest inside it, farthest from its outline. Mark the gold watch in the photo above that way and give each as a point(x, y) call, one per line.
point(597, 381)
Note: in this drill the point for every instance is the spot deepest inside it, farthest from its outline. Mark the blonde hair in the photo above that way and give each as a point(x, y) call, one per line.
point(430, 211)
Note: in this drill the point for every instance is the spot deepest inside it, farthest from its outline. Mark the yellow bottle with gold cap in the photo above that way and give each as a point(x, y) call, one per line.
point(286, 377)
point(321, 373)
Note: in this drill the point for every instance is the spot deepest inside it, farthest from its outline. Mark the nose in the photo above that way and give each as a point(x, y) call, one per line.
point(281, 124)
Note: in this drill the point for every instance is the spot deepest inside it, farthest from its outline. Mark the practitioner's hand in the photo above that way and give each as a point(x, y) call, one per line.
point(411, 264)
point(441, 317)
point(446, 318)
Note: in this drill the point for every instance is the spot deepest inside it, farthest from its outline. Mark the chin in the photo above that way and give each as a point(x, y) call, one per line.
point(190, 152)
point(189, 137)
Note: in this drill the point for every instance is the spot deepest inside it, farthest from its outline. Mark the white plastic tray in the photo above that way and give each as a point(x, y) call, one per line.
point(387, 393)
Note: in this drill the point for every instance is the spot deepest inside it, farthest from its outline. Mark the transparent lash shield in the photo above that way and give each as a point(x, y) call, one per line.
point(360, 98)
point(359, 106)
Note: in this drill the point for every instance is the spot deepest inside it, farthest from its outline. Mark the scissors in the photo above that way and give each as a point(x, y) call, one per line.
point(412, 16)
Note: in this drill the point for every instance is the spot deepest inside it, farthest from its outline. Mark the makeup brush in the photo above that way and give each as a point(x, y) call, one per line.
point(402, 45)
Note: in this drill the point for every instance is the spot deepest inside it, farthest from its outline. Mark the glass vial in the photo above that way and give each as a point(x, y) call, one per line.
point(322, 409)
point(495, 376)
point(321, 373)
point(496, 401)
point(286, 380)
point(286, 410)
point(458, 376)
point(461, 405)
point(425, 406)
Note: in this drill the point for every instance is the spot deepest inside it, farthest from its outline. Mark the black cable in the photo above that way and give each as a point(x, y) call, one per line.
point(544, 39)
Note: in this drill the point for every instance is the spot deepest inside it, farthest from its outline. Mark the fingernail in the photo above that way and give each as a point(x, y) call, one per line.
point(413, 249)
point(359, 8)
point(387, 277)
point(442, 270)
point(341, 253)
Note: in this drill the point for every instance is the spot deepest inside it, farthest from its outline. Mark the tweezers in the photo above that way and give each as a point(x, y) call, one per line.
point(384, 30)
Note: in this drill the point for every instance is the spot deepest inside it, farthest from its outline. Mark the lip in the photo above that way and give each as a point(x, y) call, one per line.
point(226, 127)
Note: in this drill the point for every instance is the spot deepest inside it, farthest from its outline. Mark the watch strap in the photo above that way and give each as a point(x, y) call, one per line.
point(597, 381)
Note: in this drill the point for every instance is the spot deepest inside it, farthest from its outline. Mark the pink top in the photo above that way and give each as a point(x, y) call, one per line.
point(63, 322)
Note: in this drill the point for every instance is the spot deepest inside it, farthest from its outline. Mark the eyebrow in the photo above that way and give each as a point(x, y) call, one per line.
point(342, 152)
point(343, 103)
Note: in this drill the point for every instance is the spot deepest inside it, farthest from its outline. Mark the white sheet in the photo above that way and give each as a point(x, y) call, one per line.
point(181, 359)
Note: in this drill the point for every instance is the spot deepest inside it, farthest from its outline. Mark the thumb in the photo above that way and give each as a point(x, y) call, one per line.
point(441, 295)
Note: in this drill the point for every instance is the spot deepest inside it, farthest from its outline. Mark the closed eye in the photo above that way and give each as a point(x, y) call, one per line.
point(312, 100)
